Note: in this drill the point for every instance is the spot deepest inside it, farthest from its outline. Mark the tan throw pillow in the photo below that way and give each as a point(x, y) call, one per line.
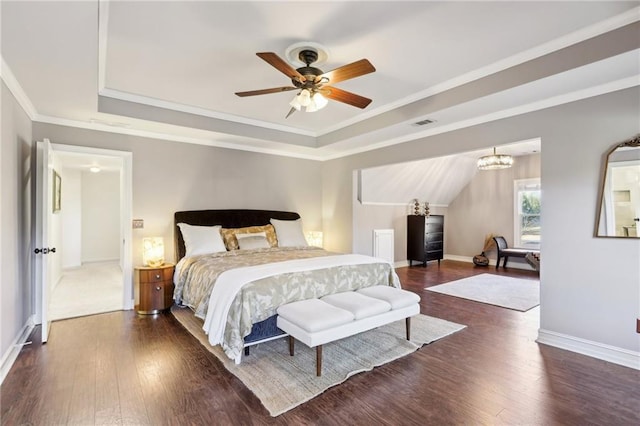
point(230, 240)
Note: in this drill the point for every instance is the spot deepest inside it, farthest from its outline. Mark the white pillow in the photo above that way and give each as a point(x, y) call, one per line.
point(289, 233)
point(252, 241)
point(201, 239)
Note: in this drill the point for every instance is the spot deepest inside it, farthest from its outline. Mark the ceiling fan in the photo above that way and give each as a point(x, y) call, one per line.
point(313, 83)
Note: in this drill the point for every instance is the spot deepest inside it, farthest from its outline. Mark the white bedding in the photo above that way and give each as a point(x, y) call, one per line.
point(230, 282)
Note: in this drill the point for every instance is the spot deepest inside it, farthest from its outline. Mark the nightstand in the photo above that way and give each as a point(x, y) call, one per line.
point(153, 288)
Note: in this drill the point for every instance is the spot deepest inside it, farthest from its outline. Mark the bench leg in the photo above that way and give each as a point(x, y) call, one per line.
point(504, 265)
point(408, 324)
point(246, 351)
point(319, 360)
point(291, 345)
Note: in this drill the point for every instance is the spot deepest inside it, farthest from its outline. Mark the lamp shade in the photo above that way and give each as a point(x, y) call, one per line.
point(295, 103)
point(320, 100)
point(314, 238)
point(153, 251)
point(304, 97)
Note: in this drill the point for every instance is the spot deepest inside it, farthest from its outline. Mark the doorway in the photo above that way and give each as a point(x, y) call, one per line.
point(91, 271)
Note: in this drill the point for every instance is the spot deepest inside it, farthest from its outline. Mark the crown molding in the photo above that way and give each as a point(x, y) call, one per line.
point(602, 89)
point(575, 37)
point(322, 155)
point(103, 27)
point(567, 40)
point(189, 109)
point(328, 153)
point(172, 138)
point(16, 89)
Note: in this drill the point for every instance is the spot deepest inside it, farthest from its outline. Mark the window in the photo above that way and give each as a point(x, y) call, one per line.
point(527, 213)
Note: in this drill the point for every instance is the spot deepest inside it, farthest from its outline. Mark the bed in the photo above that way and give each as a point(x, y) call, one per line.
point(236, 290)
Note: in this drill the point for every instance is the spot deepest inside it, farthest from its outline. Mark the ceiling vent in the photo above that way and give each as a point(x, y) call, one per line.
point(424, 122)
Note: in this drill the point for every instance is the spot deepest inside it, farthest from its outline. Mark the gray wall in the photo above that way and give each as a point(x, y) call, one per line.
point(589, 286)
point(488, 196)
point(485, 206)
point(15, 218)
point(172, 176)
point(100, 216)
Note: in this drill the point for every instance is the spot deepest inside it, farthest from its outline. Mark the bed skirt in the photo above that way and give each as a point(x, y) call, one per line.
point(262, 330)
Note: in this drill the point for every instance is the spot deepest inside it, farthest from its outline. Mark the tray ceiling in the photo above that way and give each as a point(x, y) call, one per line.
point(171, 68)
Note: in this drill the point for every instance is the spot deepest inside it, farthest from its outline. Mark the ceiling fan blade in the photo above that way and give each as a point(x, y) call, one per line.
point(266, 91)
point(279, 64)
point(345, 97)
point(355, 69)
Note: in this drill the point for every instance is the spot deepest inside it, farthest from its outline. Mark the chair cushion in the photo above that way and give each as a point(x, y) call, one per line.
point(359, 305)
point(514, 252)
point(314, 315)
point(396, 297)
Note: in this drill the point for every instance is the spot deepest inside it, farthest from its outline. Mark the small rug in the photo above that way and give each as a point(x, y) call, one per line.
point(507, 292)
point(283, 382)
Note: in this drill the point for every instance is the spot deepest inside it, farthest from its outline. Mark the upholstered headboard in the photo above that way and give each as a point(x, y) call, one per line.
point(237, 218)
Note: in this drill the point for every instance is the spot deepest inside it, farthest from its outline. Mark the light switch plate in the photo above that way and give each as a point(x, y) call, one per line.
point(138, 223)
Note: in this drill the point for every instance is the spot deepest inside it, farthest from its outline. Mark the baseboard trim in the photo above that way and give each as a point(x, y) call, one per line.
point(110, 259)
point(400, 263)
point(9, 357)
point(590, 348)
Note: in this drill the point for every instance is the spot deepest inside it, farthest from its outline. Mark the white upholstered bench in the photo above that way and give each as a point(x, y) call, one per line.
point(318, 321)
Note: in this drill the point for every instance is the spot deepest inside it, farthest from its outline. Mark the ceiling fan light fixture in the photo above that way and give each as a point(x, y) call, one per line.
point(295, 103)
point(495, 161)
point(312, 107)
point(320, 100)
point(309, 80)
point(304, 97)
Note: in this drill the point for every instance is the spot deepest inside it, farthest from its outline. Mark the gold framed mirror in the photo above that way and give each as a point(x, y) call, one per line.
point(619, 208)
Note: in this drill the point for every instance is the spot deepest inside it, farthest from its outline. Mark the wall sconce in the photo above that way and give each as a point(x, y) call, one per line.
point(314, 238)
point(153, 251)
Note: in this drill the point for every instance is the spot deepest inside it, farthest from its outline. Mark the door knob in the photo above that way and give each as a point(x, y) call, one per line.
point(44, 250)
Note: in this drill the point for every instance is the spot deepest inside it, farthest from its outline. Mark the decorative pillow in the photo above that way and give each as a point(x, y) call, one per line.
point(201, 239)
point(230, 240)
point(252, 241)
point(289, 233)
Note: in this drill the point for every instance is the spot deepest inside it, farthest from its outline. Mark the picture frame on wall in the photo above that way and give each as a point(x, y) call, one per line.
point(57, 191)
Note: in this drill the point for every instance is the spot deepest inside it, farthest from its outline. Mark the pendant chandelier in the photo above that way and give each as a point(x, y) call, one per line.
point(495, 161)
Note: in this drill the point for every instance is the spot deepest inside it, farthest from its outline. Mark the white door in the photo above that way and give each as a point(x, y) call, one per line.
point(42, 250)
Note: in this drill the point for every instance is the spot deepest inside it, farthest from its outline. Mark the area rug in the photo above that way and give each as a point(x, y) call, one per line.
point(507, 292)
point(283, 382)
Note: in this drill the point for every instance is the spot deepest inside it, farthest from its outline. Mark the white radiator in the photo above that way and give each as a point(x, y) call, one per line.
point(383, 244)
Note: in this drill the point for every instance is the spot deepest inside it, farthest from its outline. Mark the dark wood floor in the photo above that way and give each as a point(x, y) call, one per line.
point(120, 368)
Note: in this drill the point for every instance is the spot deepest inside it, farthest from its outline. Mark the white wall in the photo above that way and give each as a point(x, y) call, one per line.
point(15, 219)
point(590, 287)
point(71, 213)
point(100, 216)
